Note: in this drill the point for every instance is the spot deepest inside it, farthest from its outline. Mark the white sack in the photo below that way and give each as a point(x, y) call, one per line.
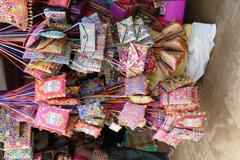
point(200, 45)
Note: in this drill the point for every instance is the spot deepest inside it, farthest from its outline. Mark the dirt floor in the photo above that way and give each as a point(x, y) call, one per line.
point(220, 87)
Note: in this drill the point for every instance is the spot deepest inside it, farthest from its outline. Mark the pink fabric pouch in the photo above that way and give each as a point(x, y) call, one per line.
point(59, 3)
point(173, 10)
point(52, 118)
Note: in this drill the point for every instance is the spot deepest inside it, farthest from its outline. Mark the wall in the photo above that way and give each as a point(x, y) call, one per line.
point(220, 87)
point(3, 85)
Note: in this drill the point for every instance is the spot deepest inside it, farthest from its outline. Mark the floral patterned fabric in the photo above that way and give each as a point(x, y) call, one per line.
point(126, 30)
point(63, 101)
point(91, 86)
point(14, 12)
point(185, 134)
point(47, 67)
point(150, 65)
point(38, 74)
point(176, 82)
point(132, 115)
point(18, 154)
point(186, 95)
point(23, 141)
point(90, 111)
point(136, 59)
point(137, 85)
point(163, 136)
point(34, 37)
point(12, 127)
point(17, 139)
point(190, 121)
point(2, 124)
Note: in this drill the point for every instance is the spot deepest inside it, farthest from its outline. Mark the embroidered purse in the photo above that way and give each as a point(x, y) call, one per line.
point(190, 121)
point(87, 129)
point(63, 101)
point(94, 18)
point(90, 111)
point(52, 118)
point(163, 136)
point(51, 46)
point(185, 95)
point(34, 35)
point(16, 12)
point(132, 115)
point(126, 30)
point(47, 67)
point(91, 86)
point(136, 59)
point(176, 82)
point(185, 134)
point(50, 88)
point(136, 86)
point(87, 36)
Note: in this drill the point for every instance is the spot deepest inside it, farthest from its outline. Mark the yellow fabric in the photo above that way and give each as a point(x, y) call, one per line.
point(188, 29)
point(141, 99)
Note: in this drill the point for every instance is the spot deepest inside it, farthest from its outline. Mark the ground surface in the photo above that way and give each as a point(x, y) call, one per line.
point(220, 87)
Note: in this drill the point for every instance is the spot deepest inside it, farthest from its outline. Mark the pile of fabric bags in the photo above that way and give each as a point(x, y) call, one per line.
point(95, 63)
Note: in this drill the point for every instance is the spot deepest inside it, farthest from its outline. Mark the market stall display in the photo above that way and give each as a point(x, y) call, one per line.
point(116, 63)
